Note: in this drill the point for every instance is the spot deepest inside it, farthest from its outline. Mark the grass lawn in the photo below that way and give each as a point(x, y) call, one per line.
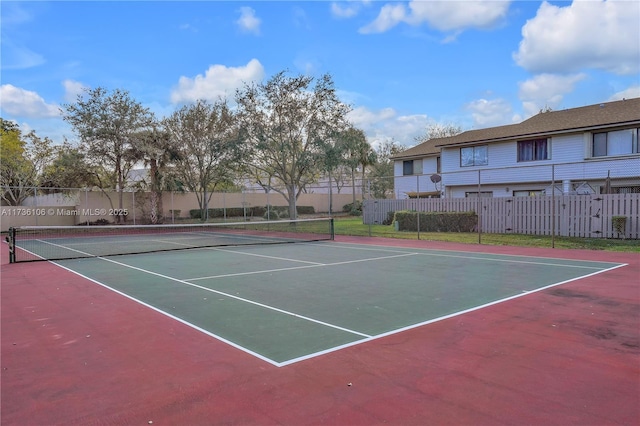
point(353, 226)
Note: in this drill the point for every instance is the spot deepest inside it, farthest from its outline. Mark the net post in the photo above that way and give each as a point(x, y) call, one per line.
point(11, 239)
point(332, 231)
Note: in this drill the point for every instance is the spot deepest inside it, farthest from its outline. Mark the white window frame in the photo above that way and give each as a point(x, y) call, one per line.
point(476, 159)
point(536, 150)
point(614, 142)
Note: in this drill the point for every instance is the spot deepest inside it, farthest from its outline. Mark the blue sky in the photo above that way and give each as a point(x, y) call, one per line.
point(401, 65)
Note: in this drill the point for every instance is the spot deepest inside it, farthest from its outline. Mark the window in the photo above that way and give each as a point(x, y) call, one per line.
point(483, 194)
point(530, 193)
point(619, 142)
point(474, 156)
point(417, 167)
point(533, 150)
point(412, 167)
point(407, 168)
point(624, 190)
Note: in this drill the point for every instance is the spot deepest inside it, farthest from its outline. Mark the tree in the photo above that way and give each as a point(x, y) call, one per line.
point(285, 123)
point(436, 130)
point(106, 123)
point(22, 161)
point(381, 175)
point(332, 160)
point(358, 154)
point(204, 138)
point(15, 169)
point(69, 169)
point(156, 151)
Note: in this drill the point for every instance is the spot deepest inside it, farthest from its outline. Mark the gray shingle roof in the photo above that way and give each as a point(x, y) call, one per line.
point(575, 119)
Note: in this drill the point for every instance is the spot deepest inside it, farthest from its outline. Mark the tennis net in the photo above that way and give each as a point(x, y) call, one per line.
point(32, 243)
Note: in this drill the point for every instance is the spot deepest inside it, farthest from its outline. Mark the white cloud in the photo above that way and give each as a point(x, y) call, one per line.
point(15, 57)
point(546, 90)
point(72, 89)
point(389, 17)
point(489, 113)
point(14, 14)
point(628, 93)
point(348, 10)
point(307, 65)
point(586, 34)
point(457, 15)
point(15, 53)
point(385, 125)
point(300, 18)
point(444, 16)
point(218, 81)
point(248, 22)
point(25, 103)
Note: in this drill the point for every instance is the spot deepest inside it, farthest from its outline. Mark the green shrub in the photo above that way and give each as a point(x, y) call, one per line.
point(619, 224)
point(99, 222)
point(254, 211)
point(436, 221)
point(305, 209)
point(389, 219)
point(271, 215)
point(354, 209)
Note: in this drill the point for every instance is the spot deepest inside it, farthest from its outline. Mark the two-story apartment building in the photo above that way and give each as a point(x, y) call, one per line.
point(591, 149)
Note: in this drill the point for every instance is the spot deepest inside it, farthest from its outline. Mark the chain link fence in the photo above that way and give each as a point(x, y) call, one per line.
point(573, 199)
point(76, 206)
point(599, 199)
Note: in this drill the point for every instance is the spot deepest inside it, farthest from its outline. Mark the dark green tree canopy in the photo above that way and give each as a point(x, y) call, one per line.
point(107, 123)
point(204, 138)
point(285, 124)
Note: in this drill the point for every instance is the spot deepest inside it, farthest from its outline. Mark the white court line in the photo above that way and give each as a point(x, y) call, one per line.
point(367, 338)
point(188, 324)
point(245, 253)
point(262, 305)
point(242, 299)
point(444, 317)
point(318, 265)
point(263, 255)
point(425, 252)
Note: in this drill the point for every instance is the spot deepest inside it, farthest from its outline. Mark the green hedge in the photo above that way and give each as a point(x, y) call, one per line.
point(354, 209)
point(251, 211)
point(283, 211)
point(436, 221)
point(231, 212)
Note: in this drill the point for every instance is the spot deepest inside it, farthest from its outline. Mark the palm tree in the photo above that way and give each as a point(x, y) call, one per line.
point(157, 153)
point(358, 153)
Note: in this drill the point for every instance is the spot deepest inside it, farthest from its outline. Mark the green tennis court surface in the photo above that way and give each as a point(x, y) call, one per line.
point(286, 303)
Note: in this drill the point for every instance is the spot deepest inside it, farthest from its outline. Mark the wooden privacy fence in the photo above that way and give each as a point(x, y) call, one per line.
point(572, 215)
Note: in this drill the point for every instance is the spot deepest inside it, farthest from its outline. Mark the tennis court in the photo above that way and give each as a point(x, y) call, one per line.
point(285, 303)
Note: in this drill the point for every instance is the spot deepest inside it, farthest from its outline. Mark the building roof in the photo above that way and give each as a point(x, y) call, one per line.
point(617, 113)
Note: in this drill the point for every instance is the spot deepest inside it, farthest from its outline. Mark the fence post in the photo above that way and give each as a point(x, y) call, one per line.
point(268, 202)
point(479, 211)
point(418, 203)
point(330, 196)
point(368, 197)
point(553, 206)
point(35, 201)
point(244, 205)
point(173, 210)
